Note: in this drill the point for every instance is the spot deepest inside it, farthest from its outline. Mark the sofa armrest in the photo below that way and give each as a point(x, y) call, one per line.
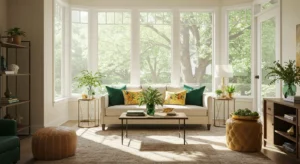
point(8, 127)
point(207, 103)
point(103, 106)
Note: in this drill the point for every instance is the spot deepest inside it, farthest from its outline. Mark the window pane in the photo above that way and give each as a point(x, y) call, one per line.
point(196, 48)
point(114, 53)
point(102, 18)
point(75, 16)
point(58, 51)
point(239, 48)
point(84, 17)
point(155, 49)
point(268, 5)
point(79, 52)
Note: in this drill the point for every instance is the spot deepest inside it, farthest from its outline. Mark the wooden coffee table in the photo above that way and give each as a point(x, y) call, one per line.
point(157, 116)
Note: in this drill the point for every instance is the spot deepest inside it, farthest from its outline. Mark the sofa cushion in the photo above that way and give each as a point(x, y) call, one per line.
point(175, 98)
point(189, 110)
point(132, 97)
point(194, 96)
point(115, 95)
point(9, 143)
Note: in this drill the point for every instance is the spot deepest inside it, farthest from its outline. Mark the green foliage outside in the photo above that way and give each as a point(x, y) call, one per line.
point(196, 42)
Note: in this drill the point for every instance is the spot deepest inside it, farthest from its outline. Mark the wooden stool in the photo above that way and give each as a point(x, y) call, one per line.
point(244, 136)
point(53, 143)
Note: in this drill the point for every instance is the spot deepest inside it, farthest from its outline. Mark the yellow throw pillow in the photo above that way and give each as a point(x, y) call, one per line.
point(175, 98)
point(131, 97)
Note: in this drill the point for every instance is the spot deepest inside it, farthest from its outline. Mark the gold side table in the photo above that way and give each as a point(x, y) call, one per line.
point(88, 113)
point(218, 104)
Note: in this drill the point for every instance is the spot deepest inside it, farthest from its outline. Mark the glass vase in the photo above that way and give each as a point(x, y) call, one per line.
point(150, 109)
point(289, 90)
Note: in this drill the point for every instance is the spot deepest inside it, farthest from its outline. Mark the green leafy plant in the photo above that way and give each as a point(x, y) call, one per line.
point(245, 112)
point(289, 73)
point(230, 89)
point(219, 92)
point(151, 96)
point(89, 79)
point(16, 31)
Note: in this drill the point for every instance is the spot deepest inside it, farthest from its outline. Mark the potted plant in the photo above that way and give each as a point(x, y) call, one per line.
point(289, 74)
point(16, 35)
point(151, 97)
point(230, 90)
point(245, 114)
point(219, 92)
point(89, 79)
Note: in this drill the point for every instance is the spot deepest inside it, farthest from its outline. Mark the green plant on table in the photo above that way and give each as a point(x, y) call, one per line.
point(230, 89)
point(151, 97)
point(89, 79)
point(219, 92)
point(245, 112)
point(16, 31)
point(289, 73)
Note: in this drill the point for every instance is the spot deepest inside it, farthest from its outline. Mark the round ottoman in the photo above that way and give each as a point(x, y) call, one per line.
point(244, 136)
point(53, 143)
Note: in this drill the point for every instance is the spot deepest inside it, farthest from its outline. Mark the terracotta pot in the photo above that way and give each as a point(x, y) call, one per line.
point(17, 39)
point(230, 95)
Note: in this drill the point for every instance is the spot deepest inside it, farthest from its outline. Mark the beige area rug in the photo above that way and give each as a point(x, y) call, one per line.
point(159, 144)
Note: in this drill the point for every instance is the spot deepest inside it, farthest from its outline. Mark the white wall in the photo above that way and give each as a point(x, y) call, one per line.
point(3, 15)
point(55, 113)
point(290, 17)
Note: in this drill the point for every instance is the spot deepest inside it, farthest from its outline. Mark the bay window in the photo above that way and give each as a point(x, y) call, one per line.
point(79, 46)
point(155, 42)
point(114, 47)
point(239, 49)
point(58, 51)
point(196, 38)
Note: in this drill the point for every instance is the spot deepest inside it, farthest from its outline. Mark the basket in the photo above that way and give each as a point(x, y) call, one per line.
point(248, 118)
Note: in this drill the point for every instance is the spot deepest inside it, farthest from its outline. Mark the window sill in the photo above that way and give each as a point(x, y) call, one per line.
point(61, 100)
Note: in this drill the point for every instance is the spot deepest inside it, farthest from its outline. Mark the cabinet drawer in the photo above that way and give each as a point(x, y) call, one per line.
point(270, 129)
point(270, 107)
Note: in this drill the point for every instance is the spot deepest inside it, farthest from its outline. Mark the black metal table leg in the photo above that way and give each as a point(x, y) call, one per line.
point(126, 128)
point(184, 131)
point(122, 130)
point(179, 127)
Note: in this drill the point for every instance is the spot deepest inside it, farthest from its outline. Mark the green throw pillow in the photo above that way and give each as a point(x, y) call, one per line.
point(115, 95)
point(194, 96)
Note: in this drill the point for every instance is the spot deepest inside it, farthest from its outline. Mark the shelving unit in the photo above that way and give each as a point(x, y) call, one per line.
point(15, 83)
point(276, 126)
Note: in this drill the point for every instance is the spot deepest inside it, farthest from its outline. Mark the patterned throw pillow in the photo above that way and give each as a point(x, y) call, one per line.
point(175, 98)
point(132, 97)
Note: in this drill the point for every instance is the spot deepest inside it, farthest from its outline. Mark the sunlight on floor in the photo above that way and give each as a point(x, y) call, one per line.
point(133, 146)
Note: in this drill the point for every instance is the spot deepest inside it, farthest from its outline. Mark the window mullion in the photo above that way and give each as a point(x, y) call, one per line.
point(135, 48)
point(93, 41)
point(175, 74)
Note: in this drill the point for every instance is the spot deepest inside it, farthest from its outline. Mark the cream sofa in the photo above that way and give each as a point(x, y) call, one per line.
point(196, 114)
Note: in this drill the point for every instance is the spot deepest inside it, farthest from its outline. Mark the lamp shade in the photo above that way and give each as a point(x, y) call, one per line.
point(223, 71)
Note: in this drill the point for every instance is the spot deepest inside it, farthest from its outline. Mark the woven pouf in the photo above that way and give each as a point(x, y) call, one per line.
point(53, 143)
point(244, 136)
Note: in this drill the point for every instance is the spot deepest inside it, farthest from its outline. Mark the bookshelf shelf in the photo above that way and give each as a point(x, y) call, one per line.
point(20, 87)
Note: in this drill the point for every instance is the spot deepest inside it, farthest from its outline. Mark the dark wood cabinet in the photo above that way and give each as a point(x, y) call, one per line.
point(276, 126)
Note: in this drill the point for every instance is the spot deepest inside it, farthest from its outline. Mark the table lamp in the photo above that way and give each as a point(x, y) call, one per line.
point(223, 71)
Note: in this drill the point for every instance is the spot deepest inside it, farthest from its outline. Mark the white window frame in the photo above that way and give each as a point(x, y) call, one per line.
point(225, 42)
point(135, 40)
point(65, 50)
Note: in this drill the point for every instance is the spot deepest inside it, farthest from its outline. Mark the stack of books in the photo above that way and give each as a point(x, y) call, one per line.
point(9, 100)
point(291, 117)
point(135, 113)
point(289, 147)
point(294, 99)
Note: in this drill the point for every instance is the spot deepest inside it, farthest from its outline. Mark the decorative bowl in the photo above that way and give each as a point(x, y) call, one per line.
point(167, 110)
point(248, 118)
